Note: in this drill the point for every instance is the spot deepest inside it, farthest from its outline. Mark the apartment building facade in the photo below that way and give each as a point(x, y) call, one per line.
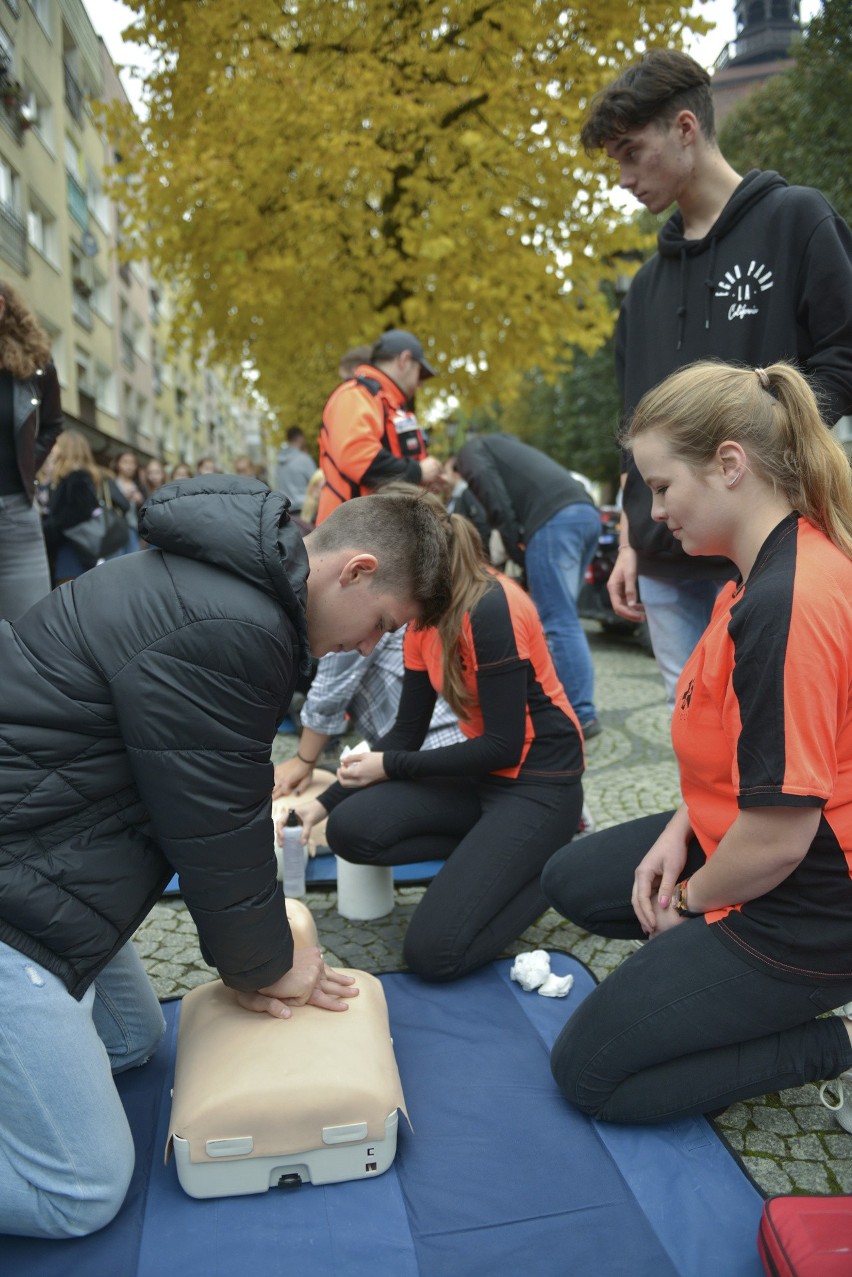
point(124, 381)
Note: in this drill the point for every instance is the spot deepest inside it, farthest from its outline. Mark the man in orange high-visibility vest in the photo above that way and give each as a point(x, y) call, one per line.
point(369, 434)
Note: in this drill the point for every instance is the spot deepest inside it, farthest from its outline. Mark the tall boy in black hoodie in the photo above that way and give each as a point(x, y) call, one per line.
point(748, 270)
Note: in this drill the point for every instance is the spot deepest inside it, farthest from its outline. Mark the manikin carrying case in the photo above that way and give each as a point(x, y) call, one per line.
point(260, 1103)
point(806, 1236)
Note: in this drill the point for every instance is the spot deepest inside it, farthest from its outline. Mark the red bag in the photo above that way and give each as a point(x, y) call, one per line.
point(806, 1237)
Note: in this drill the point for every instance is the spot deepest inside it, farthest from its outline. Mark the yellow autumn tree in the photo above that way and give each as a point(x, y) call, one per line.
point(312, 172)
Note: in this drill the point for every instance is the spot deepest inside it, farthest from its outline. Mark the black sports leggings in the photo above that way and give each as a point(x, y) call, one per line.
point(496, 836)
point(685, 1025)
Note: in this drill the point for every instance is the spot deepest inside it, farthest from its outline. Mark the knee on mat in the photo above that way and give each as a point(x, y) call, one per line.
point(568, 1062)
point(149, 1037)
point(97, 1195)
point(425, 962)
point(563, 888)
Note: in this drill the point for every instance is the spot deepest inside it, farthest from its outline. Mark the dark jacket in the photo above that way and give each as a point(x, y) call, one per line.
point(37, 420)
point(465, 503)
point(137, 716)
point(75, 499)
point(771, 280)
point(519, 487)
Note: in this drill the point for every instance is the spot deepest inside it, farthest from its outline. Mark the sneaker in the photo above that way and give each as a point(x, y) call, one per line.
point(587, 823)
point(590, 728)
point(841, 1106)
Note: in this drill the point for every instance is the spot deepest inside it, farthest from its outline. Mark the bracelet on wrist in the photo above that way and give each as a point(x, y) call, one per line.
point(680, 905)
point(307, 761)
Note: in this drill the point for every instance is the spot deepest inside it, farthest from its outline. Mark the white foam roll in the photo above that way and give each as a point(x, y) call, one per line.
point(363, 891)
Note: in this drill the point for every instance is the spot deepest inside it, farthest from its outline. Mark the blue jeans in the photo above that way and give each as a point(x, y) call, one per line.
point(66, 1152)
point(678, 613)
point(557, 556)
point(24, 574)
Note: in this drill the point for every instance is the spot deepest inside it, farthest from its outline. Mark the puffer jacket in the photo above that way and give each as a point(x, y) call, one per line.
point(138, 710)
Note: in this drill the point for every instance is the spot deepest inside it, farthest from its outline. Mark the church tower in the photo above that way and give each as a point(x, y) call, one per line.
point(766, 32)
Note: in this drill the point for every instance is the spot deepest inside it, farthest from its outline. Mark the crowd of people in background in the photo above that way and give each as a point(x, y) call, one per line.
point(72, 482)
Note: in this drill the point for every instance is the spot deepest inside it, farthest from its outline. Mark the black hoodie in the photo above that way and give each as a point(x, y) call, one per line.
point(771, 280)
point(139, 707)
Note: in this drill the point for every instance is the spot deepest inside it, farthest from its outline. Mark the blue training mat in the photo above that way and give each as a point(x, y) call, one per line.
point(321, 872)
point(501, 1176)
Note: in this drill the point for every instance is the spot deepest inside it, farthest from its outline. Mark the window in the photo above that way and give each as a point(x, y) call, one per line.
point(81, 271)
point(42, 231)
point(81, 288)
point(97, 200)
point(10, 188)
point(105, 389)
point(102, 295)
point(41, 9)
point(83, 369)
point(73, 159)
point(7, 57)
point(37, 112)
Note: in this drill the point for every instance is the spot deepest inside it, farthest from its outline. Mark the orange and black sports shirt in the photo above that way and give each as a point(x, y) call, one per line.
point(368, 437)
point(519, 724)
point(763, 718)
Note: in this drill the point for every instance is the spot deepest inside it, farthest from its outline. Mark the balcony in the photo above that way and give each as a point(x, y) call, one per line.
point(770, 41)
point(78, 205)
point(13, 239)
point(81, 309)
point(88, 408)
point(74, 97)
point(128, 352)
point(12, 120)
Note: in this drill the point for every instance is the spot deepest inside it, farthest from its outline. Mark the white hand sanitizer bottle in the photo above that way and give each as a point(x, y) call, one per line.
point(293, 855)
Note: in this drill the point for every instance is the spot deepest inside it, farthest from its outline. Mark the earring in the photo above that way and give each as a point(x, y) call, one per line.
point(734, 480)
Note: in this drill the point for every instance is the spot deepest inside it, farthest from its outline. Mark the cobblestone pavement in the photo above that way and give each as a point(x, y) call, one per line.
point(788, 1142)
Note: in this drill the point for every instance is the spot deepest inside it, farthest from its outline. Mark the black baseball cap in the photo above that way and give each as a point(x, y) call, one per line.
point(394, 342)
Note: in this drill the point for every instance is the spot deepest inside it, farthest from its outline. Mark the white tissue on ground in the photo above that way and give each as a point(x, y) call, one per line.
point(556, 986)
point(531, 969)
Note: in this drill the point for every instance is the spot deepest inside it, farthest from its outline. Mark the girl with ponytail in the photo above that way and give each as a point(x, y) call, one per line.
point(494, 807)
point(745, 892)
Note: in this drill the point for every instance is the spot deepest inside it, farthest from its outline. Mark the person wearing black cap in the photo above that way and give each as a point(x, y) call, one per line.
point(369, 435)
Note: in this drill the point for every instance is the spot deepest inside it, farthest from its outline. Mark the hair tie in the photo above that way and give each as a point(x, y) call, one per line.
point(763, 377)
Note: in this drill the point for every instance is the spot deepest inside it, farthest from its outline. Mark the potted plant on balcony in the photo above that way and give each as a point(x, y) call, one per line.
point(13, 94)
point(82, 287)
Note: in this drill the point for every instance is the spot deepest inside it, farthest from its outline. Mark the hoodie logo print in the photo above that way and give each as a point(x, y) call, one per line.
point(743, 288)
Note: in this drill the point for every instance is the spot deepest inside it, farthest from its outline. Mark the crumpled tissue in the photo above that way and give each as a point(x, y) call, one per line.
point(532, 971)
point(363, 747)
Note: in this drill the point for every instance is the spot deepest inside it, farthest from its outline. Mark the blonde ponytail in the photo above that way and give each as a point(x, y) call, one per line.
point(773, 414)
point(470, 579)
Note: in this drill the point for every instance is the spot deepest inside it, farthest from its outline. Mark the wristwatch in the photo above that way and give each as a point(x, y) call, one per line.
point(680, 906)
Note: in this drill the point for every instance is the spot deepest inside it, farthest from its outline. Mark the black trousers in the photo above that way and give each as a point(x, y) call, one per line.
point(496, 836)
point(685, 1025)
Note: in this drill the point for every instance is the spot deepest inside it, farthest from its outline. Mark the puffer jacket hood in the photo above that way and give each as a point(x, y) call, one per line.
point(240, 525)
